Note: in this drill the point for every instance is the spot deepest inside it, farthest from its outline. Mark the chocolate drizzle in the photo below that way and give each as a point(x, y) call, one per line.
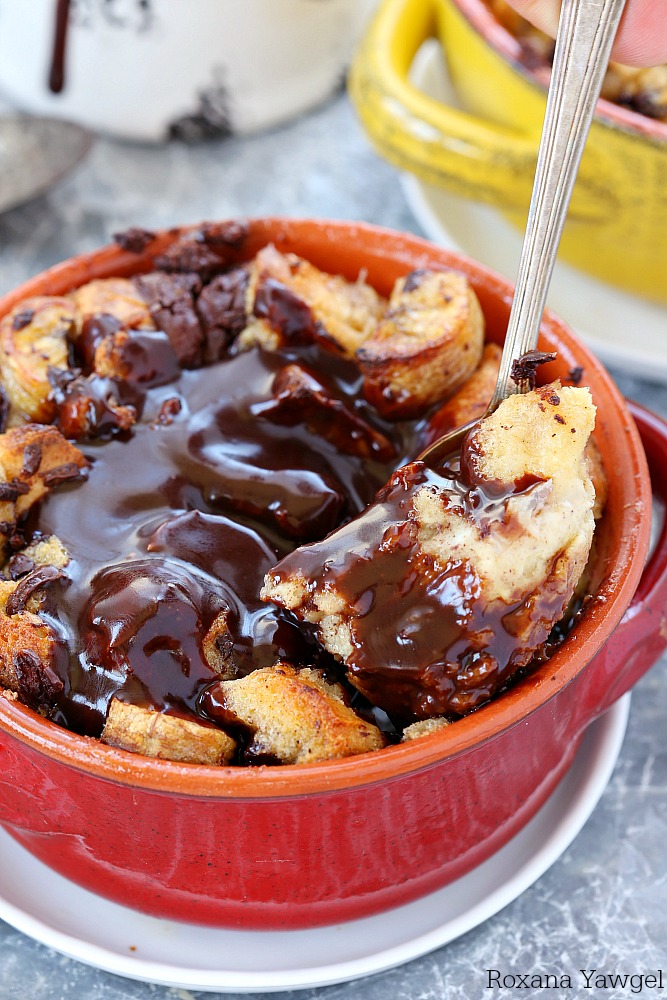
point(448, 649)
point(524, 368)
point(57, 68)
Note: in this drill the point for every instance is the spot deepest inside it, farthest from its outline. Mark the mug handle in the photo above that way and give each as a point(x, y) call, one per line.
point(439, 143)
point(641, 635)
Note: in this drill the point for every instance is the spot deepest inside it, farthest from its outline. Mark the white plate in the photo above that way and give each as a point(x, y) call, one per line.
point(49, 908)
point(622, 329)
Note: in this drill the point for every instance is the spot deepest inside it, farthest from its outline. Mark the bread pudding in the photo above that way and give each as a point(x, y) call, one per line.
point(219, 544)
point(473, 564)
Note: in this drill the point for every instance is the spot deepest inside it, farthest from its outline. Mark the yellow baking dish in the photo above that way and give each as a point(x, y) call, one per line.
point(617, 224)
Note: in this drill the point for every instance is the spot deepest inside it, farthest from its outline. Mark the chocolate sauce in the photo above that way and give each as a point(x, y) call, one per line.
point(57, 68)
point(185, 512)
point(93, 331)
point(207, 466)
point(448, 649)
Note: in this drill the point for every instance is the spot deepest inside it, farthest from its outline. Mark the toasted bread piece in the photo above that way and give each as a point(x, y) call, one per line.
point(218, 648)
point(24, 640)
point(47, 551)
point(424, 728)
point(258, 333)
point(27, 650)
point(170, 737)
point(296, 716)
point(110, 359)
point(435, 595)
point(538, 432)
point(117, 297)
point(596, 471)
point(427, 344)
point(289, 296)
point(470, 403)
point(34, 337)
point(34, 458)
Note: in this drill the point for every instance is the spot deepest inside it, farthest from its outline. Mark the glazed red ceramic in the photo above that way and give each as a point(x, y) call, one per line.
point(302, 845)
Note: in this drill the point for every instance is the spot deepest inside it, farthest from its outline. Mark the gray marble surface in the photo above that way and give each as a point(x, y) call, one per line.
point(603, 904)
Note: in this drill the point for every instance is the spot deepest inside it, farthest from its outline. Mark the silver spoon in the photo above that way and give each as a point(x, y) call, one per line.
point(586, 32)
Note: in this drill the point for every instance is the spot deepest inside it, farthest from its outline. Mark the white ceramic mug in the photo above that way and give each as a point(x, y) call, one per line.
point(148, 69)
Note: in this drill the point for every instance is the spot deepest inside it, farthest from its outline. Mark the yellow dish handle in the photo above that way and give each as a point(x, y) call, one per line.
point(440, 144)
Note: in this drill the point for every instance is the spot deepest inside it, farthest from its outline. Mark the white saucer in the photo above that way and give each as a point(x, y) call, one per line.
point(54, 911)
point(622, 329)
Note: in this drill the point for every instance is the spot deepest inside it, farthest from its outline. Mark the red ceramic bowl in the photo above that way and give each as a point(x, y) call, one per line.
point(303, 845)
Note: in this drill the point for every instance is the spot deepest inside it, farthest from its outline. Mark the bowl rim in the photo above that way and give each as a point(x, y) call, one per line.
point(512, 708)
point(483, 20)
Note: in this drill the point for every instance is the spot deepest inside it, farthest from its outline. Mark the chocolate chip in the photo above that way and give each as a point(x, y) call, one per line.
point(206, 251)
point(38, 683)
point(414, 279)
point(190, 257)
point(170, 408)
point(94, 330)
point(222, 310)
point(134, 239)
point(32, 459)
point(19, 565)
point(225, 645)
point(285, 312)
point(13, 489)
point(22, 319)
point(4, 409)
point(230, 233)
point(575, 374)
point(68, 472)
point(170, 298)
point(524, 368)
point(35, 580)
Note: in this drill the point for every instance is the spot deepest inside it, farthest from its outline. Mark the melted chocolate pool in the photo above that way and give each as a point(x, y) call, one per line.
point(182, 516)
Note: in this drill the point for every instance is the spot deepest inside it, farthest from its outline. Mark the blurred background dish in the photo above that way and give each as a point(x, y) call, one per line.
point(146, 71)
point(35, 153)
point(617, 225)
point(623, 329)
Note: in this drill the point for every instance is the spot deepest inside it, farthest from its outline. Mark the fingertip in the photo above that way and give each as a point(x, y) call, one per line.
point(642, 36)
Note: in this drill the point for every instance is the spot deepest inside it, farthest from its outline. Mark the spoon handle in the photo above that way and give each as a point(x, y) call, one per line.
point(586, 32)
